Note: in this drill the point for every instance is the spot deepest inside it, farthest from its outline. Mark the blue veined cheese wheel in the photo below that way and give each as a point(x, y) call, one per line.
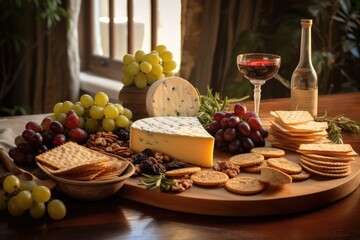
point(172, 96)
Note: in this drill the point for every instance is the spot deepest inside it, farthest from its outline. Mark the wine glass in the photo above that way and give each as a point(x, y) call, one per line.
point(258, 68)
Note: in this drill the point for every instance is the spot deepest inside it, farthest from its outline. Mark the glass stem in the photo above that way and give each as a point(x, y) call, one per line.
point(257, 96)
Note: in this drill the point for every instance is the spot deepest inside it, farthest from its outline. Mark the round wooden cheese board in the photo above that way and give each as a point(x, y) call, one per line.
point(300, 196)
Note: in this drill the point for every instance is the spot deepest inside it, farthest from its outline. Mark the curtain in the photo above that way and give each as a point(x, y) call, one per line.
point(209, 33)
point(51, 70)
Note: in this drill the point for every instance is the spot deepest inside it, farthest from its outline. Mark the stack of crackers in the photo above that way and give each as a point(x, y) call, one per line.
point(329, 160)
point(292, 128)
point(73, 161)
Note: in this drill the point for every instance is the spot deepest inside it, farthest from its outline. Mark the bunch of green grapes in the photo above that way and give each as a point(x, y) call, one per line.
point(144, 69)
point(21, 196)
point(96, 114)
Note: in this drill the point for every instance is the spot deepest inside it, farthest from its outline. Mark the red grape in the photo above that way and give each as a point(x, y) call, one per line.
point(27, 134)
point(218, 116)
point(219, 136)
point(213, 127)
point(249, 115)
point(239, 109)
point(257, 139)
point(233, 121)
point(20, 159)
point(234, 146)
point(41, 149)
point(264, 132)
point(13, 151)
point(229, 134)
point(244, 129)
point(71, 112)
point(36, 139)
point(58, 139)
point(56, 127)
point(33, 126)
point(229, 114)
point(224, 123)
point(30, 159)
point(77, 135)
point(247, 143)
point(254, 123)
point(25, 147)
point(47, 138)
point(46, 123)
point(72, 120)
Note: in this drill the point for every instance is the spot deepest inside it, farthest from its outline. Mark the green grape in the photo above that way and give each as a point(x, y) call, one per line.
point(139, 54)
point(150, 78)
point(19, 139)
point(56, 209)
point(128, 58)
point(57, 107)
point(152, 58)
point(160, 76)
point(160, 48)
point(122, 121)
point(108, 124)
point(133, 68)
point(101, 99)
point(37, 210)
point(125, 70)
point(27, 185)
point(140, 80)
point(145, 67)
point(127, 80)
point(79, 110)
point(111, 111)
point(41, 194)
point(91, 125)
point(127, 113)
point(169, 66)
point(86, 101)
point(96, 112)
point(60, 117)
point(3, 202)
point(11, 183)
point(119, 107)
point(166, 56)
point(24, 199)
point(169, 74)
point(67, 106)
point(13, 209)
point(157, 69)
point(81, 123)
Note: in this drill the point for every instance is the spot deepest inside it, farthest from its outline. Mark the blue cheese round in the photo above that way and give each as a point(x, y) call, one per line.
point(172, 96)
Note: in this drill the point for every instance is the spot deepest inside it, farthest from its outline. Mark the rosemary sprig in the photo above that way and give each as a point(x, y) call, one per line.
point(338, 124)
point(160, 182)
point(212, 103)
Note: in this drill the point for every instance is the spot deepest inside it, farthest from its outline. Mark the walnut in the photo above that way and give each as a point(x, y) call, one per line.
point(181, 184)
point(224, 166)
point(162, 157)
point(108, 142)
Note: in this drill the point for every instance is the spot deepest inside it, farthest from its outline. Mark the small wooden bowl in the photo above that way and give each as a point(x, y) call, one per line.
point(90, 190)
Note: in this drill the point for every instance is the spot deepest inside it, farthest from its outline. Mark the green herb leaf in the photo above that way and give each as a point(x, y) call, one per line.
point(160, 182)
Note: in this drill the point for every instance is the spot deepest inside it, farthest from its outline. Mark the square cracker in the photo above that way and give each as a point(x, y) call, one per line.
point(294, 117)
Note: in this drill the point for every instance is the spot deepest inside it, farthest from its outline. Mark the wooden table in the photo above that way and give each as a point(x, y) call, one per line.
point(117, 218)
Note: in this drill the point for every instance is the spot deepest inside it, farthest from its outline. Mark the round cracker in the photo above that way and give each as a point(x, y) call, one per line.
point(274, 176)
point(246, 159)
point(182, 171)
point(257, 168)
point(325, 163)
point(268, 152)
point(244, 185)
point(303, 175)
point(284, 165)
point(209, 178)
point(333, 175)
point(323, 167)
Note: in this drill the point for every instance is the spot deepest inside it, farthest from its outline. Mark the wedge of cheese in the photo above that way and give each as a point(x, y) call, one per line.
point(172, 96)
point(182, 138)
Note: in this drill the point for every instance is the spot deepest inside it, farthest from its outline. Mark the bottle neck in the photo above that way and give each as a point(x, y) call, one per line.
point(305, 48)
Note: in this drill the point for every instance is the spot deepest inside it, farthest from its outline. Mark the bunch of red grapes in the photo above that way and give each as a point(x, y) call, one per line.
point(238, 131)
point(38, 138)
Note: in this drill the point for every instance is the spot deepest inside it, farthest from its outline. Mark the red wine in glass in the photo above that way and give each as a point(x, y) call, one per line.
point(258, 68)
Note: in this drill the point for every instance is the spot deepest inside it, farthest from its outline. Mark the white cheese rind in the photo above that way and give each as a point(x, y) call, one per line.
point(182, 138)
point(172, 96)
